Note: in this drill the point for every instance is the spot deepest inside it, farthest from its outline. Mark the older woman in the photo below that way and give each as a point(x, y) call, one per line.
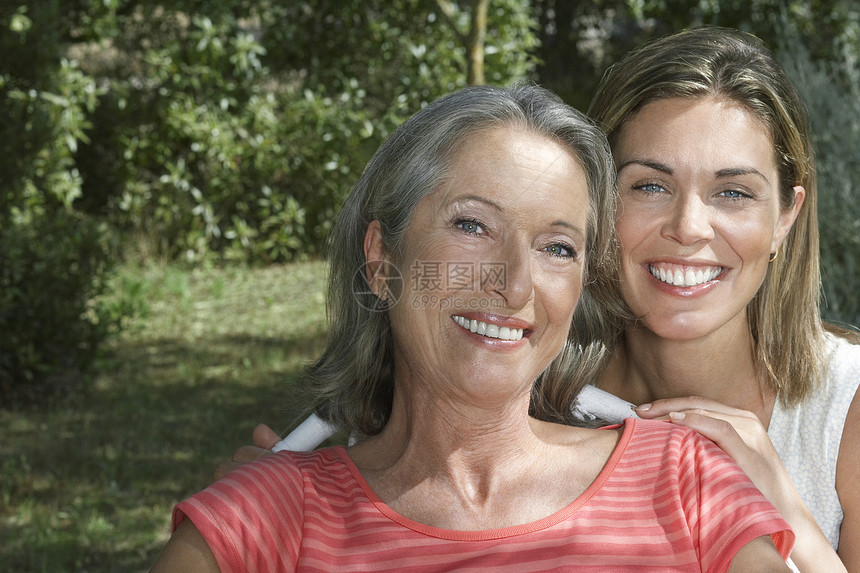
point(718, 236)
point(453, 376)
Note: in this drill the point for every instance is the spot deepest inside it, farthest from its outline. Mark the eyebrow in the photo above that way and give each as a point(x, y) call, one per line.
point(735, 171)
point(719, 174)
point(647, 163)
point(484, 200)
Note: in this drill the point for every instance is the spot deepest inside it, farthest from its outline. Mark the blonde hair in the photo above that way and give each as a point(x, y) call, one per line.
point(784, 315)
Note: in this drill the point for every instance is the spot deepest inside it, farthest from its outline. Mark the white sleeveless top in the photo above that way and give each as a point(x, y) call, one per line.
point(807, 436)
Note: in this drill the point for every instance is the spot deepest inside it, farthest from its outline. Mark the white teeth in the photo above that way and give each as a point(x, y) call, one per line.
point(489, 330)
point(686, 278)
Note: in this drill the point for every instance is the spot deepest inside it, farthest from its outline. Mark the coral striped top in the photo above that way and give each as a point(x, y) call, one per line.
point(668, 499)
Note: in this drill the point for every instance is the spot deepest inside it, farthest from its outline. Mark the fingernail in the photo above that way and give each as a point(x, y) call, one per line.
point(677, 415)
point(643, 407)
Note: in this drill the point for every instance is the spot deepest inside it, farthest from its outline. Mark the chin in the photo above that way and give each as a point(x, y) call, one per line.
point(677, 328)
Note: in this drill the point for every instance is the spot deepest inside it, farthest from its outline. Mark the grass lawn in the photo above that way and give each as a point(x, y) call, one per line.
point(88, 482)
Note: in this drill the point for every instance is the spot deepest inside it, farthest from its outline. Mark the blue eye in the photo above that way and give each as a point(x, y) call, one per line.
point(650, 188)
point(734, 194)
point(470, 226)
point(560, 250)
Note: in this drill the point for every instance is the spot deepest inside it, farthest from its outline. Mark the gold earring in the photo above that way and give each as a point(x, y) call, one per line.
point(773, 255)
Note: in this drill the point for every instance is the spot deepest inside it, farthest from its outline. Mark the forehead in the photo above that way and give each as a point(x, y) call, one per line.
point(517, 161)
point(714, 133)
point(526, 174)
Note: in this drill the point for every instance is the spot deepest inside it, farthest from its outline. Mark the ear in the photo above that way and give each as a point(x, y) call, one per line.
point(787, 218)
point(375, 257)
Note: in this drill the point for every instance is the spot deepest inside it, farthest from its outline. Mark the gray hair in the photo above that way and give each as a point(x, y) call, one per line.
point(353, 381)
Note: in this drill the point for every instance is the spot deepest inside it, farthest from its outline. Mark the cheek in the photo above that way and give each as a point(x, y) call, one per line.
point(632, 230)
point(750, 238)
point(561, 297)
point(631, 223)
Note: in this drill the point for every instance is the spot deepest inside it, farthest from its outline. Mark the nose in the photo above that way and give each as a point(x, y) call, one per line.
point(689, 221)
point(510, 276)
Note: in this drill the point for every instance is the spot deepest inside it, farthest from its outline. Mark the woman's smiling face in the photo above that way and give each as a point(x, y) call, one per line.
point(699, 213)
point(493, 263)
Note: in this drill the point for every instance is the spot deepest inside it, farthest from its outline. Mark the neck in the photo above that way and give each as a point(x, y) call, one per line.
point(720, 367)
point(437, 464)
point(446, 434)
point(477, 462)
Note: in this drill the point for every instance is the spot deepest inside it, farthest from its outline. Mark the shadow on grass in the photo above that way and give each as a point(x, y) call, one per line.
point(89, 483)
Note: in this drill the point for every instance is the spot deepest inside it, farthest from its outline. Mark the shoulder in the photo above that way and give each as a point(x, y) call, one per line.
point(262, 500)
point(844, 374)
point(317, 474)
point(841, 377)
point(665, 447)
point(681, 460)
point(719, 501)
point(281, 478)
point(288, 465)
point(658, 433)
point(679, 454)
point(843, 355)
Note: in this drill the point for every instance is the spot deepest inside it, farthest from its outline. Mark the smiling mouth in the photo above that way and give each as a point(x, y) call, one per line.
point(489, 329)
point(688, 277)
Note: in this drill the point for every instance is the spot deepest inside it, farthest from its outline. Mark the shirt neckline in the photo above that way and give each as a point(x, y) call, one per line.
point(489, 534)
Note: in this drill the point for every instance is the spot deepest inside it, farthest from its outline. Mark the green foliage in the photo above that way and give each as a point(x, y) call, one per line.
point(579, 40)
point(88, 482)
point(236, 132)
point(52, 260)
point(831, 96)
point(403, 52)
point(45, 101)
point(50, 270)
point(182, 124)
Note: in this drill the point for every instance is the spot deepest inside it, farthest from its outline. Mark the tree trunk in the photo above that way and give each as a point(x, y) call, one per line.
point(475, 43)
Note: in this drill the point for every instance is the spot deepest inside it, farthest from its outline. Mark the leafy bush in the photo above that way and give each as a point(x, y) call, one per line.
point(235, 133)
point(52, 261)
point(50, 270)
point(832, 95)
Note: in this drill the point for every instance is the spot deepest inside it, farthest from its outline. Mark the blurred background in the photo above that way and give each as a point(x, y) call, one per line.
point(169, 171)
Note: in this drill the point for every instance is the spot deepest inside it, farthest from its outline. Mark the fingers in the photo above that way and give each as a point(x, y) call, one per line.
point(723, 433)
point(247, 454)
point(716, 429)
point(713, 419)
point(660, 408)
point(241, 456)
point(751, 450)
point(264, 437)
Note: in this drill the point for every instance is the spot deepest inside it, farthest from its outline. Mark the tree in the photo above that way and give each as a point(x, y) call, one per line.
point(473, 40)
point(53, 260)
point(237, 131)
point(580, 39)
